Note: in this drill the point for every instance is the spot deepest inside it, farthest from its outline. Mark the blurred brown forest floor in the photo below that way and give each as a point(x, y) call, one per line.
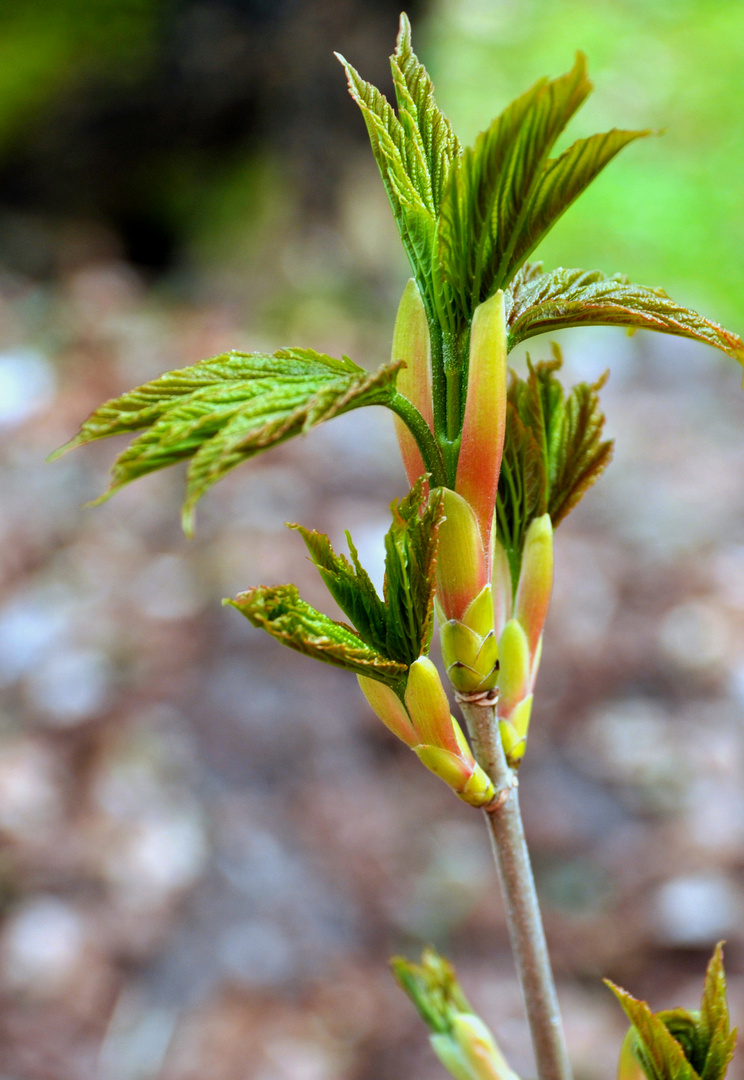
point(211, 846)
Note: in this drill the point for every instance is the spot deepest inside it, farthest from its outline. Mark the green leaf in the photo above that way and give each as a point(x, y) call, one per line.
point(350, 586)
point(432, 143)
point(715, 1033)
point(538, 302)
point(504, 194)
point(281, 612)
point(582, 456)
point(553, 452)
point(414, 152)
point(659, 1054)
point(562, 181)
point(433, 988)
point(401, 626)
point(523, 487)
point(410, 562)
point(223, 411)
point(679, 1045)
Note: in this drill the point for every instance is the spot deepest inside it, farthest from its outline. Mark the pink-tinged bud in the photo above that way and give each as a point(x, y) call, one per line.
point(484, 423)
point(411, 343)
point(386, 704)
point(461, 560)
point(428, 707)
point(535, 580)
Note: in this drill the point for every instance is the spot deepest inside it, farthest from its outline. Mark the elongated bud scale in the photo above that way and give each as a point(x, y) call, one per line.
point(535, 580)
point(411, 343)
point(466, 778)
point(452, 1057)
point(515, 664)
point(628, 1066)
point(461, 560)
point(428, 706)
point(478, 615)
point(389, 708)
point(479, 1048)
point(501, 580)
point(469, 658)
point(484, 423)
point(514, 731)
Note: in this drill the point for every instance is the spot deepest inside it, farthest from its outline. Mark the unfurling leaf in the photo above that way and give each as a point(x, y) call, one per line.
point(281, 612)
point(504, 193)
point(400, 626)
point(460, 1039)
point(539, 302)
point(553, 452)
point(350, 586)
point(414, 151)
point(223, 411)
point(410, 565)
point(678, 1044)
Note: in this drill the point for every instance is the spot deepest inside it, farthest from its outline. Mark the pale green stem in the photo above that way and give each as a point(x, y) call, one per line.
point(520, 898)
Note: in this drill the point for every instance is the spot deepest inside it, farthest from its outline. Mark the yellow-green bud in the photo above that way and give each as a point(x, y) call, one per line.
point(535, 579)
point(479, 1049)
point(452, 1057)
point(469, 1052)
point(411, 343)
point(470, 660)
point(514, 670)
point(428, 706)
point(628, 1066)
point(389, 708)
point(469, 648)
point(465, 777)
point(502, 586)
point(461, 559)
point(514, 731)
point(479, 613)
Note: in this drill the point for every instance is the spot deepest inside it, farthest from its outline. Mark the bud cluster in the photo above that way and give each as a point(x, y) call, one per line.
point(520, 629)
point(424, 722)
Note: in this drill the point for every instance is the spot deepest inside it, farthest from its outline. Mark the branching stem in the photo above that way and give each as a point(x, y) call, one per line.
point(518, 887)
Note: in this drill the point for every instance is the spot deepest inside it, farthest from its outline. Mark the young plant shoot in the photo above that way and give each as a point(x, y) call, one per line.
point(495, 462)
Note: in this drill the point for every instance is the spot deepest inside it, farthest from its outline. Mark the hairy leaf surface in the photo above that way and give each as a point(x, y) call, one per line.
point(350, 586)
point(658, 1052)
point(491, 185)
point(414, 151)
point(410, 562)
point(400, 626)
point(280, 611)
point(715, 1034)
point(223, 411)
point(553, 452)
point(676, 1044)
point(539, 302)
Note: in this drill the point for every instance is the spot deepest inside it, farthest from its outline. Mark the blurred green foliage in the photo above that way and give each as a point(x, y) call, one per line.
point(670, 210)
point(48, 45)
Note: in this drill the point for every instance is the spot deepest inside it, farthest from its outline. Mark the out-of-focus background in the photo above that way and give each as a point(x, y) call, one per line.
point(210, 846)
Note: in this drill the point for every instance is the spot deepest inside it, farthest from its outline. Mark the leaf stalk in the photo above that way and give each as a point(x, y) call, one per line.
point(424, 437)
